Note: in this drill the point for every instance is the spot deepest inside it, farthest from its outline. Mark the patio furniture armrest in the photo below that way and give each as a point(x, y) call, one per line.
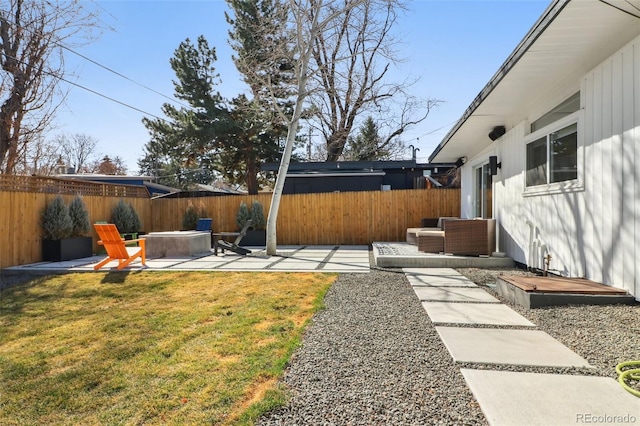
point(470, 237)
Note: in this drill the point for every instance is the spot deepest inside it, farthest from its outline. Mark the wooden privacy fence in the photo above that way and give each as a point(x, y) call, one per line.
point(23, 199)
point(329, 218)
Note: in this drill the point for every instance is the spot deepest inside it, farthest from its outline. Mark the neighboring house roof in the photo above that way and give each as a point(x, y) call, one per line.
point(220, 189)
point(569, 39)
point(146, 181)
point(350, 168)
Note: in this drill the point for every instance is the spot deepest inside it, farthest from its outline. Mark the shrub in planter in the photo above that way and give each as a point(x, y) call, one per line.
point(243, 215)
point(125, 218)
point(56, 222)
point(258, 221)
point(256, 235)
point(191, 216)
point(79, 218)
point(64, 229)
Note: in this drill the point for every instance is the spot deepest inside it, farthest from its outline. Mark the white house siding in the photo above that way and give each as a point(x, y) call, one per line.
point(612, 153)
point(592, 232)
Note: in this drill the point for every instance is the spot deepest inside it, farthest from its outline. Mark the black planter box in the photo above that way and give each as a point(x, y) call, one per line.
point(67, 249)
point(254, 238)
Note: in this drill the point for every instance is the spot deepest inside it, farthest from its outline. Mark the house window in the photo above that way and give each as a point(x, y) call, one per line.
point(553, 157)
point(552, 152)
point(563, 154)
point(566, 108)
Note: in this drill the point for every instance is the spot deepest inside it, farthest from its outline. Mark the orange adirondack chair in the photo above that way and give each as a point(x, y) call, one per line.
point(115, 245)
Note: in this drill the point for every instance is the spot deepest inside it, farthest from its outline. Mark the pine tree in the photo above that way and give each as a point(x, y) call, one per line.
point(213, 137)
point(365, 146)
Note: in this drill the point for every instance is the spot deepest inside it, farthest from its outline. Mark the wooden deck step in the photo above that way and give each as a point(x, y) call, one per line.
point(537, 292)
point(561, 285)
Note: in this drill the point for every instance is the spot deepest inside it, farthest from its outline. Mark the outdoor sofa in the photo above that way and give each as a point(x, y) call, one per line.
point(464, 237)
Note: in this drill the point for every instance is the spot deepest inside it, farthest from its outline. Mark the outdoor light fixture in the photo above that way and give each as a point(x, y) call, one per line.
point(459, 162)
point(496, 132)
point(494, 165)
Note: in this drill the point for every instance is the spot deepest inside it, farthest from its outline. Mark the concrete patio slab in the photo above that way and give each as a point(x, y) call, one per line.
point(351, 254)
point(454, 294)
point(289, 258)
point(510, 398)
point(357, 248)
point(513, 347)
point(315, 257)
point(474, 313)
point(403, 255)
point(295, 264)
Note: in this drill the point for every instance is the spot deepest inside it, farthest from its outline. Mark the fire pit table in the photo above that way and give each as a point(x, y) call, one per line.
point(177, 243)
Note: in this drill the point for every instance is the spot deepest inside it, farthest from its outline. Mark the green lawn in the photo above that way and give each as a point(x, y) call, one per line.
point(151, 347)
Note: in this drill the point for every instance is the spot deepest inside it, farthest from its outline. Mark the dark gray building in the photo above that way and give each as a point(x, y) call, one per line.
point(343, 176)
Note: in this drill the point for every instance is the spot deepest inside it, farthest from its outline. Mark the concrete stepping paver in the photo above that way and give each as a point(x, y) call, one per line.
point(447, 281)
point(514, 347)
point(432, 272)
point(510, 398)
point(474, 313)
point(454, 294)
point(437, 277)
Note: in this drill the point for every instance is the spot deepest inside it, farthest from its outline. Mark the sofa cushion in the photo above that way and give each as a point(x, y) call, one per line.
point(430, 232)
point(440, 220)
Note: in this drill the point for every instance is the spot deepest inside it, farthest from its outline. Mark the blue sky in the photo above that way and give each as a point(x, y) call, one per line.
point(454, 46)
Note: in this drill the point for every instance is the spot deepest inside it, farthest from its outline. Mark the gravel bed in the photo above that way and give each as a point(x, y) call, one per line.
point(603, 335)
point(373, 357)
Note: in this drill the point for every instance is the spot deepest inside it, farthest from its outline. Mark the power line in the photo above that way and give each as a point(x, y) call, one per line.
point(57, 43)
point(54, 75)
point(436, 130)
point(123, 76)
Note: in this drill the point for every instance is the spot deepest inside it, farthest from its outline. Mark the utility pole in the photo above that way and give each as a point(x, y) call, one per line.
point(309, 144)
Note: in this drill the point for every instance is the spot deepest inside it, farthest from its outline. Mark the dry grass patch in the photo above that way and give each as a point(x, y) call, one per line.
point(150, 347)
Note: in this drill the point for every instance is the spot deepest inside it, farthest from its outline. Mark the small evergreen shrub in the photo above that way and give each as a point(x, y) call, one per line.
point(190, 219)
point(56, 222)
point(120, 216)
point(135, 219)
point(258, 221)
point(79, 217)
point(125, 218)
point(243, 215)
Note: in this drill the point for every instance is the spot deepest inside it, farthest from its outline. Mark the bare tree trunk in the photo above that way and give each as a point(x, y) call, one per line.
point(32, 33)
point(308, 25)
point(301, 74)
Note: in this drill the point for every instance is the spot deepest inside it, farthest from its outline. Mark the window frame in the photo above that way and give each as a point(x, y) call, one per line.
point(572, 185)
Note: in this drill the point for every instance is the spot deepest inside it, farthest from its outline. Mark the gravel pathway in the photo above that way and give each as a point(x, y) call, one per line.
point(373, 357)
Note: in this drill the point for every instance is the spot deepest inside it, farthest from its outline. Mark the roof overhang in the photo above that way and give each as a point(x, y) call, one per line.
point(355, 166)
point(346, 173)
point(568, 40)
